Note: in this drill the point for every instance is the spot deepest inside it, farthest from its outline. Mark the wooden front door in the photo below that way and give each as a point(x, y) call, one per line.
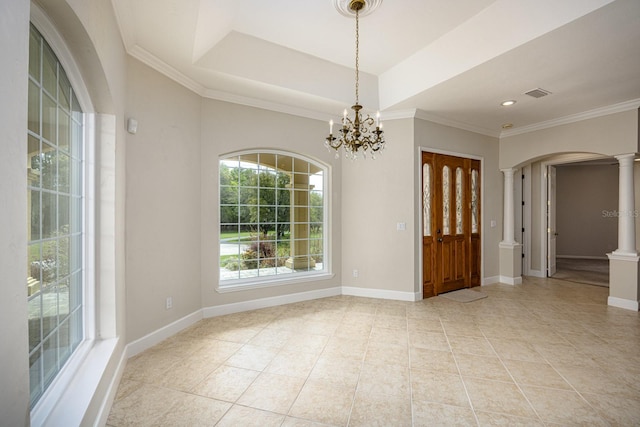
point(451, 223)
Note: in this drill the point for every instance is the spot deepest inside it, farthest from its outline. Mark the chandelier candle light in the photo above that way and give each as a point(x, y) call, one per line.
point(357, 134)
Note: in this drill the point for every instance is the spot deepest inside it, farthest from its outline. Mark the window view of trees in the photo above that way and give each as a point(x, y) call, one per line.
point(55, 194)
point(271, 216)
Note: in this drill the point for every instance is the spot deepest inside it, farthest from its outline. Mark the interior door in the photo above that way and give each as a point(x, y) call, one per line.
point(552, 233)
point(451, 223)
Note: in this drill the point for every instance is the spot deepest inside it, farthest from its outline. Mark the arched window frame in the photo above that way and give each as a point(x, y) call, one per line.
point(230, 285)
point(90, 355)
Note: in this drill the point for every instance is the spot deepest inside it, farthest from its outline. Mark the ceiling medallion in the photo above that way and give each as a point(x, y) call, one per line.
point(344, 7)
point(357, 135)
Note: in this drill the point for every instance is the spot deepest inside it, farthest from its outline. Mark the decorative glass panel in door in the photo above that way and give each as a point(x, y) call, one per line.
point(426, 199)
point(459, 227)
point(446, 220)
point(474, 201)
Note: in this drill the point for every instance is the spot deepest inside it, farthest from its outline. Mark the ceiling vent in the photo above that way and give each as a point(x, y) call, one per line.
point(538, 93)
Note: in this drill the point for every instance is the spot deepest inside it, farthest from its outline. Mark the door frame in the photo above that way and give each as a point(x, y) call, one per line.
point(418, 196)
point(553, 161)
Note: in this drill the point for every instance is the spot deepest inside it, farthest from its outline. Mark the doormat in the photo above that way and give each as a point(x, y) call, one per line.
point(464, 295)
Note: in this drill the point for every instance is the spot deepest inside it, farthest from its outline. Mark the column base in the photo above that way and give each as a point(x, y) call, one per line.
point(300, 263)
point(624, 281)
point(510, 263)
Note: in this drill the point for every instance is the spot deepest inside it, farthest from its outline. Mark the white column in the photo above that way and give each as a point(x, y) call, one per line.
point(509, 212)
point(510, 250)
point(626, 207)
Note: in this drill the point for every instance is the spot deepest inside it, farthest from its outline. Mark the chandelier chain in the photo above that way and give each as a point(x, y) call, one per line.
point(357, 56)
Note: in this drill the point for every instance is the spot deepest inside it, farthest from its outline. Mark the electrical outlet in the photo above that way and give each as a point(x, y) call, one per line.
point(169, 302)
point(355, 273)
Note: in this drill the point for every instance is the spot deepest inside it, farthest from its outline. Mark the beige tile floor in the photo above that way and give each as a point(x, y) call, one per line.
point(545, 353)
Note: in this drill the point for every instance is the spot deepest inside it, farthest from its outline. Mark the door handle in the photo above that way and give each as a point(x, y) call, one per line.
point(440, 239)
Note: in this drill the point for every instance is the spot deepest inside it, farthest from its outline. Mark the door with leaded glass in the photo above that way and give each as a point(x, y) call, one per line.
point(451, 223)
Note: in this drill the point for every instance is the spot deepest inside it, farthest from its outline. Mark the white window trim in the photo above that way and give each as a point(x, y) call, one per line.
point(69, 395)
point(236, 285)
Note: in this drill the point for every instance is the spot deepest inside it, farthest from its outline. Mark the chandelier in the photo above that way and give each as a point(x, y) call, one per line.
point(357, 134)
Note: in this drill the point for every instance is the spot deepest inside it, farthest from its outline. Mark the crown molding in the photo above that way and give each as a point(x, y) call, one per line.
point(177, 76)
point(633, 104)
point(265, 105)
point(398, 114)
point(157, 64)
point(455, 124)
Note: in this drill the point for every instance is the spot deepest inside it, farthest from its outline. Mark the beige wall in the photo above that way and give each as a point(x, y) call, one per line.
point(231, 127)
point(14, 364)
point(378, 194)
point(609, 135)
point(163, 201)
point(584, 194)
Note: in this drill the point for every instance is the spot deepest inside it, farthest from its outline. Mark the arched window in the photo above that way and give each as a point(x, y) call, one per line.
point(55, 174)
point(273, 214)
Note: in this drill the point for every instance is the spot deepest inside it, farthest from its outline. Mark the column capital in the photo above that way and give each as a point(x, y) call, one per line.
point(625, 157)
point(508, 171)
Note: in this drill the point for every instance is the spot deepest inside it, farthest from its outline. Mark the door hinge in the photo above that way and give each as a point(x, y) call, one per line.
point(523, 255)
point(523, 229)
point(523, 203)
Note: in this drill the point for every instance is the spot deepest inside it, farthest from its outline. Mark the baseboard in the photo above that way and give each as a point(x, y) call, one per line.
point(490, 280)
point(381, 294)
point(221, 310)
point(155, 337)
point(581, 257)
point(627, 304)
point(537, 273)
point(511, 280)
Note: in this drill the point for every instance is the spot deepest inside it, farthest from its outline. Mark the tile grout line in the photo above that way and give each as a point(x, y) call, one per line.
point(455, 360)
point(306, 380)
point(413, 411)
point(364, 356)
point(573, 387)
point(512, 377)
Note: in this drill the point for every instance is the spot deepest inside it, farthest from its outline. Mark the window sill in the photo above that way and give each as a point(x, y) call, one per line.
point(69, 397)
point(248, 284)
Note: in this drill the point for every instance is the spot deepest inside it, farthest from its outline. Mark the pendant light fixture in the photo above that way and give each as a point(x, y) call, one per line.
point(357, 135)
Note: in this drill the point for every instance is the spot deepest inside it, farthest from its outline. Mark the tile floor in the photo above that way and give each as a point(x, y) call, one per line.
point(545, 353)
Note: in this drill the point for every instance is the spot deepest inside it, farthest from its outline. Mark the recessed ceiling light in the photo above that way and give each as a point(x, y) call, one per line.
point(508, 103)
